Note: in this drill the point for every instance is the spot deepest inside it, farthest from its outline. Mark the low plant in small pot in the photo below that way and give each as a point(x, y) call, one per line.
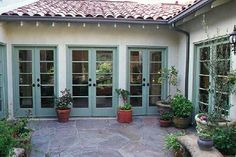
point(205, 140)
point(172, 144)
point(165, 119)
point(182, 110)
point(63, 106)
point(124, 112)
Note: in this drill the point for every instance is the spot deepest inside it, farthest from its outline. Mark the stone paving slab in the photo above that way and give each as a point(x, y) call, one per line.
point(99, 138)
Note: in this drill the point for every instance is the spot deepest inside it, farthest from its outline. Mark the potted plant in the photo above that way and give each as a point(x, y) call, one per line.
point(170, 75)
point(205, 141)
point(63, 106)
point(182, 110)
point(124, 113)
point(172, 144)
point(165, 119)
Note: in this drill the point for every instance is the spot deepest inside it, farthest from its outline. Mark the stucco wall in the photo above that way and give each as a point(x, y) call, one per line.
point(105, 35)
point(2, 33)
point(220, 21)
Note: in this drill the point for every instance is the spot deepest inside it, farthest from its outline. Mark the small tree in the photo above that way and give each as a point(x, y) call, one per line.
point(170, 75)
point(124, 94)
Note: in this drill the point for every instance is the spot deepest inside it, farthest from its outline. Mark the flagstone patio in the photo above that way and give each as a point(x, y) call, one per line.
point(99, 138)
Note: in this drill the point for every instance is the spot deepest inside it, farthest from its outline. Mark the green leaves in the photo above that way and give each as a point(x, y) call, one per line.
point(65, 100)
point(171, 142)
point(225, 140)
point(181, 106)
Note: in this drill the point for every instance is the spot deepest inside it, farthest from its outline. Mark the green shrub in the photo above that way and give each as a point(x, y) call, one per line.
point(225, 140)
point(181, 106)
point(166, 116)
point(7, 140)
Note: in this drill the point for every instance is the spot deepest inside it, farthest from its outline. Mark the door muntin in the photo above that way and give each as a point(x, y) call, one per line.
point(2, 82)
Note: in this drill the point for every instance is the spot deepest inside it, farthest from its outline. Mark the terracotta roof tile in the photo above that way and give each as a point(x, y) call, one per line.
point(99, 9)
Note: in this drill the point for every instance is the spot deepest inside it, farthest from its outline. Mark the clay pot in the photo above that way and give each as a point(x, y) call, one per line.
point(165, 123)
point(181, 123)
point(205, 144)
point(124, 116)
point(63, 115)
point(163, 108)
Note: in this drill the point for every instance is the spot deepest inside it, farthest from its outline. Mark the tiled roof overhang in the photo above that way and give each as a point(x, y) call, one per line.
point(101, 11)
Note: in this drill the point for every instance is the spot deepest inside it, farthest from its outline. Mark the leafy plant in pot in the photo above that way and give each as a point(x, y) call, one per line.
point(172, 144)
point(166, 119)
point(63, 106)
point(170, 75)
point(124, 113)
point(205, 141)
point(182, 110)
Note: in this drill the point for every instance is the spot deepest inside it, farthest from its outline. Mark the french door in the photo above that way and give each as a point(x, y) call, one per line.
point(92, 80)
point(144, 68)
point(34, 81)
point(2, 82)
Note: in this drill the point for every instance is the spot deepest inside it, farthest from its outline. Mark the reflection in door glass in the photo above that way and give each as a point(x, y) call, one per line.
point(104, 73)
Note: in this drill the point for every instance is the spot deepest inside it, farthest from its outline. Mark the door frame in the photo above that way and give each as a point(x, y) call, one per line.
point(147, 110)
point(4, 111)
point(92, 108)
point(22, 112)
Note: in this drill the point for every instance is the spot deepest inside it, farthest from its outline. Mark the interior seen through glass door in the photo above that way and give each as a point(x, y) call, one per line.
point(80, 72)
point(136, 74)
point(47, 77)
point(1, 78)
point(25, 79)
point(155, 68)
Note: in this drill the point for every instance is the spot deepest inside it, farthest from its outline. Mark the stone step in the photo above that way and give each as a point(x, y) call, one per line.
point(190, 143)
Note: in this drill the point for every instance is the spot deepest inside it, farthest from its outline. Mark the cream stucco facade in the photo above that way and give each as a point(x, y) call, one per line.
point(60, 35)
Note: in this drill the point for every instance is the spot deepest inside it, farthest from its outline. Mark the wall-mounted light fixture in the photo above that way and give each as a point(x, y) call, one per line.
point(232, 39)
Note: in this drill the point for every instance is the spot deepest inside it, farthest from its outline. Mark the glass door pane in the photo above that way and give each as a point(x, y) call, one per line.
point(203, 88)
point(136, 78)
point(155, 65)
point(80, 75)
point(46, 82)
point(104, 80)
point(25, 78)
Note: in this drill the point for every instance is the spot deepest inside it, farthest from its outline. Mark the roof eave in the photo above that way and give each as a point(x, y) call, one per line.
point(189, 11)
point(81, 19)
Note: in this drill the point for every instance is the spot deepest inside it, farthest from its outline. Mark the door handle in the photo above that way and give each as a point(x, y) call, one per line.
point(143, 84)
point(94, 84)
point(89, 84)
point(148, 84)
point(38, 85)
point(33, 85)
point(90, 79)
point(38, 79)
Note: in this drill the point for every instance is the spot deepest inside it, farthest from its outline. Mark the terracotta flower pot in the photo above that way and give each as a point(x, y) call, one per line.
point(124, 116)
point(63, 115)
point(182, 123)
point(165, 123)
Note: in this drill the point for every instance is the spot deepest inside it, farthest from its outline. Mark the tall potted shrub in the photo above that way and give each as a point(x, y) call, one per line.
point(170, 75)
point(63, 106)
point(182, 110)
point(124, 113)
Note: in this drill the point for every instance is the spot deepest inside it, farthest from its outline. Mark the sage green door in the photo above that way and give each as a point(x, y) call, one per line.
point(2, 82)
point(35, 81)
point(92, 81)
point(144, 67)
